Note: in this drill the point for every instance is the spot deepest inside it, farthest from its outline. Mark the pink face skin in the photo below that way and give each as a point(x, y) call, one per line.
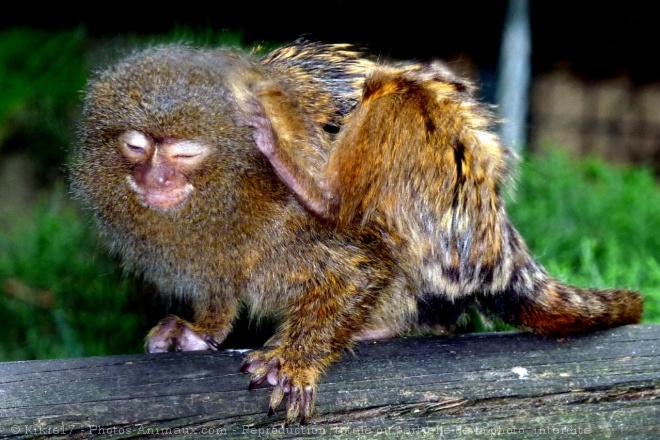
point(160, 168)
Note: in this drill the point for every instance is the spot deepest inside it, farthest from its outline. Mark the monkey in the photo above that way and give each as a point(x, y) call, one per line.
point(351, 198)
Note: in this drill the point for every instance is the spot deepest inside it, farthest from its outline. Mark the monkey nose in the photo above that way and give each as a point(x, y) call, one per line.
point(166, 177)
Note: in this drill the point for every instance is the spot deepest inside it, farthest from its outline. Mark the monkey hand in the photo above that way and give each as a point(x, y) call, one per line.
point(176, 334)
point(289, 376)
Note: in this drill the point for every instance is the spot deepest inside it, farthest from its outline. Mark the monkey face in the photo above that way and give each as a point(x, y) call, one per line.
point(160, 167)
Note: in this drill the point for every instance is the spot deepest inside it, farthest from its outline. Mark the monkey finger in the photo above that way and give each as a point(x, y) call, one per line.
point(189, 340)
point(155, 345)
point(253, 361)
point(293, 405)
point(273, 366)
point(306, 403)
point(272, 376)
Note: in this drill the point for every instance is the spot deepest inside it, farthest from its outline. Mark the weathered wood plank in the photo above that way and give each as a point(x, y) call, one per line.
point(509, 385)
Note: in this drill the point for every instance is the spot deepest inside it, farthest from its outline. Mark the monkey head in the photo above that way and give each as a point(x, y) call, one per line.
point(163, 125)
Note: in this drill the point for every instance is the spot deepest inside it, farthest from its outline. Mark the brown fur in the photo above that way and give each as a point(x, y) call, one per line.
point(341, 194)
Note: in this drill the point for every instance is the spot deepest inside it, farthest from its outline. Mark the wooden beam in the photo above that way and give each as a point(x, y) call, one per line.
point(508, 385)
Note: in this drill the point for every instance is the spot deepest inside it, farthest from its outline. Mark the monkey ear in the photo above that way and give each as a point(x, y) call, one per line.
point(252, 113)
point(282, 132)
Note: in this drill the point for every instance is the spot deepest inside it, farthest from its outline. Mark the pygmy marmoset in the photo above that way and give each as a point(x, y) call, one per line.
point(341, 194)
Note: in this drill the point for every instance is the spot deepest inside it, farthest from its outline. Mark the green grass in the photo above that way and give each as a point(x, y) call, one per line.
point(41, 76)
point(592, 224)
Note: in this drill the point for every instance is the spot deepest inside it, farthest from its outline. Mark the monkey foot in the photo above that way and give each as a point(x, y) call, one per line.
point(175, 334)
point(297, 385)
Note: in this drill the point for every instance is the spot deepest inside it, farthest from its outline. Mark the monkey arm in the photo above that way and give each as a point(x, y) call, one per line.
point(292, 146)
point(338, 279)
point(411, 121)
point(319, 325)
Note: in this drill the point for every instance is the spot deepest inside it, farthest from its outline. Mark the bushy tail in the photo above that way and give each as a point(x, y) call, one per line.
point(547, 306)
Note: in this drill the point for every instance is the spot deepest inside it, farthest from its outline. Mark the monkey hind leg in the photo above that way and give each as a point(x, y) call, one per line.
point(550, 307)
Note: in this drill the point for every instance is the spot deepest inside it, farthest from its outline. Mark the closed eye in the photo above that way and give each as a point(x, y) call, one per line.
point(188, 151)
point(134, 148)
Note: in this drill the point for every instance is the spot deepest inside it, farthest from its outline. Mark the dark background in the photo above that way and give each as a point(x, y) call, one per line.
point(596, 39)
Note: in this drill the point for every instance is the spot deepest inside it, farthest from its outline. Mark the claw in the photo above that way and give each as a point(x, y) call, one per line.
point(176, 343)
point(212, 342)
point(275, 399)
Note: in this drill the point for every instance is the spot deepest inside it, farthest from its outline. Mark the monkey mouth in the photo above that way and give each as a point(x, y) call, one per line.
point(167, 200)
point(163, 199)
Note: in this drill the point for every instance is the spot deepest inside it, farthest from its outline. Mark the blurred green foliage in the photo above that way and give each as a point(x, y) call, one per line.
point(41, 76)
point(588, 222)
point(60, 294)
